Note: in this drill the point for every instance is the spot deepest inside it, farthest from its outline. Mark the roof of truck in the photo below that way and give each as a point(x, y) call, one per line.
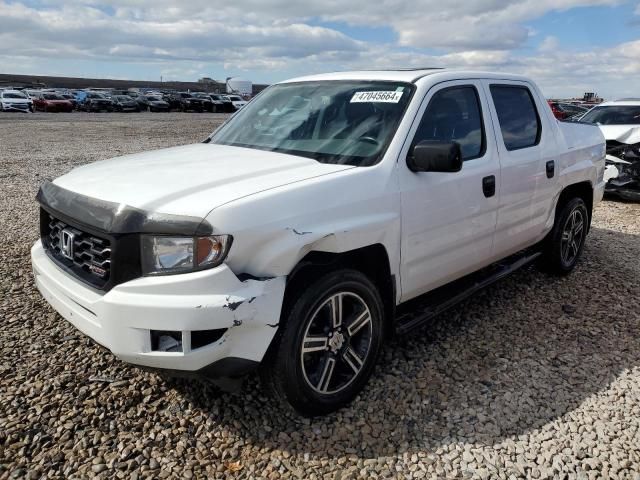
point(408, 75)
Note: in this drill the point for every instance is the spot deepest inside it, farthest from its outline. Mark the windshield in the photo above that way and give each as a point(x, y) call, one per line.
point(613, 115)
point(13, 95)
point(123, 98)
point(235, 98)
point(344, 122)
point(154, 99)
point(95, 95)
point(52, 96)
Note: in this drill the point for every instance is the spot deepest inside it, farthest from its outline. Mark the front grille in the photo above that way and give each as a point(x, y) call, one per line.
point(89, 256)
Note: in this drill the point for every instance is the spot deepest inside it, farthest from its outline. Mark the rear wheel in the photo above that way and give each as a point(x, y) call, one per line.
point(564, 245)
point(328, 345)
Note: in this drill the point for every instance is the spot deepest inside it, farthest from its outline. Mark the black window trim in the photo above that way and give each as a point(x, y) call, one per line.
point(483, 147)
point(535, 109)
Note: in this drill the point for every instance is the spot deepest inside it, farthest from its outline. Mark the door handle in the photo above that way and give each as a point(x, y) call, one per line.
point(489, 186)
point(551, 168)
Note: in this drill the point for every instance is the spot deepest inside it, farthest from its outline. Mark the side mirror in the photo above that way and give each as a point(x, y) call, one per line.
point(435, 156)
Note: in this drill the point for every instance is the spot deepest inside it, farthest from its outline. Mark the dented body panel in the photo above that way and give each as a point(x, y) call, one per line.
point(122, 318)
point(619, 122)
point(623, 161)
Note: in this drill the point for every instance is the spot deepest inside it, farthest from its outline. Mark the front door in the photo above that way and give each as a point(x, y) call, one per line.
point(449, 219)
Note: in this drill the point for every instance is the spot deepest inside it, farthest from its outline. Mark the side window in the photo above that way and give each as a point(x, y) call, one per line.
point(518, 117)
point(454, 115)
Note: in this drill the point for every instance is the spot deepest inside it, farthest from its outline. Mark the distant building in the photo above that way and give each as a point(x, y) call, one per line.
point(239, 86)
point(591, 97)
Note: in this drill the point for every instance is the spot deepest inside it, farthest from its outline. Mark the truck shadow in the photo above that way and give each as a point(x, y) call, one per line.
point(512, 359)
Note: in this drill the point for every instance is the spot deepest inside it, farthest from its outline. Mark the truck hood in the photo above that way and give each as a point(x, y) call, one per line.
point(190, 180)
point(628, 134)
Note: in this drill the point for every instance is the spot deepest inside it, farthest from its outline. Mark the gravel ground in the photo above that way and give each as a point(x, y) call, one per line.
point(536, 377)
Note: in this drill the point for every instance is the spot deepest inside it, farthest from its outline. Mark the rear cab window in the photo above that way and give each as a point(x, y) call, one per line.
point(517, 114)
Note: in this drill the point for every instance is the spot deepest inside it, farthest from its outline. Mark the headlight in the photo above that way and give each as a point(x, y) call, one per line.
point(165, 255)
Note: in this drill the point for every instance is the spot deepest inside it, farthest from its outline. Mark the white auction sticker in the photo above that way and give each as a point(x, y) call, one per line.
point(385, 97)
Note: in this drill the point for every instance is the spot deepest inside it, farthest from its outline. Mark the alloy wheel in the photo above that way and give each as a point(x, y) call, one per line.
point(336, 343)
point(572, 237)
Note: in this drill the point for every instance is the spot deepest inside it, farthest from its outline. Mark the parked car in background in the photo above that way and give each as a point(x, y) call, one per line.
point(141, 100)
point(565, 111)
point(70, 97)
point(30, 92)
point(15, 101)
point(94, 102)
point(125, 103)
point(300, 246)
point(619, 122)
point(188, 103)
point(223, 103)
point(51, 102)
point(173, 100)
point(217, 106)
point(155, 103)
point(207, 103)
point(237, 101)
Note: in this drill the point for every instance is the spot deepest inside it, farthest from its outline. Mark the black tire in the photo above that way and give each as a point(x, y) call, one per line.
point(298, 378)
point(564, 244)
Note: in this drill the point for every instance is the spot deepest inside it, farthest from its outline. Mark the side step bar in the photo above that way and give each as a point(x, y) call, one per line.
point(418, 311)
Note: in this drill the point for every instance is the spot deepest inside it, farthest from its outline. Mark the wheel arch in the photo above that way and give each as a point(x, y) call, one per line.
point(582, 190)
point(372, 261)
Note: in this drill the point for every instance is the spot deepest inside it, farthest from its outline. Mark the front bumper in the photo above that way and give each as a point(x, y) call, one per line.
point(17, 107)
point(123, 318)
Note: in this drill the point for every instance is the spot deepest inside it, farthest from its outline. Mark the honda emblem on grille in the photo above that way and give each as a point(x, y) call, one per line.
point(66, 243)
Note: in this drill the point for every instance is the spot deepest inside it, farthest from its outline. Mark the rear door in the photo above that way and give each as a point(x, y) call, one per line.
point(526, 144)
point(448, 219)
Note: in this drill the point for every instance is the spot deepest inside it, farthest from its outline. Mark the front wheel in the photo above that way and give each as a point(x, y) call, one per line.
point(564, 245)
point(328, 344)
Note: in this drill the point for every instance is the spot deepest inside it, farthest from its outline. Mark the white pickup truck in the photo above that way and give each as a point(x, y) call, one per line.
point(328, 214)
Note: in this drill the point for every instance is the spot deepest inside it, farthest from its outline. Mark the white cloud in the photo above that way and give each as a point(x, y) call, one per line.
point(549, 44)
point(283, 37)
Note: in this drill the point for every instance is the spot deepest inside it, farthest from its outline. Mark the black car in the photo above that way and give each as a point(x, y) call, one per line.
point(208, 104)
point(223, 103)
point(157, 104)
point(173, 100)
point(187, 102)
point(142, 101)
point(95, 102)
point(124, 103)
